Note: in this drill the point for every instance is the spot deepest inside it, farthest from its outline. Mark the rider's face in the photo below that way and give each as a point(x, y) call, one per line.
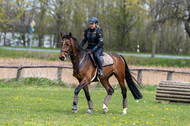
point(93, 26)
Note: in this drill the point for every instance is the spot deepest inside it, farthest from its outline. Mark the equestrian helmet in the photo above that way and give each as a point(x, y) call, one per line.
point(93, 20)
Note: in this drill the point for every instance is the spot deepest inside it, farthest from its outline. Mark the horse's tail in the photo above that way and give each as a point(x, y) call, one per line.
point(134, 90)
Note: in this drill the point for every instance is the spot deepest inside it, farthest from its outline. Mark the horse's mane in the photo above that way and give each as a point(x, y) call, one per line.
point(75, 40)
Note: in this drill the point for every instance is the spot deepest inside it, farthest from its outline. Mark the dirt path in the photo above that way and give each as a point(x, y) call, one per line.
point(51, 73)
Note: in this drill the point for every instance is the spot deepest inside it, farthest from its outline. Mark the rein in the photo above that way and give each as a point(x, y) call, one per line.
point(80, 62)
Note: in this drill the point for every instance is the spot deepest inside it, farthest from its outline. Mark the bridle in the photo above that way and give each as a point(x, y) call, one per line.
point(68, 51)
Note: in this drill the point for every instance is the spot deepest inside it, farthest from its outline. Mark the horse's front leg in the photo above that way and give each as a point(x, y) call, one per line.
point(90, 105)
point(77, 90)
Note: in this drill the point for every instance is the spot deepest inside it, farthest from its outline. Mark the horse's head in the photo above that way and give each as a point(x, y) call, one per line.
point(66, 46)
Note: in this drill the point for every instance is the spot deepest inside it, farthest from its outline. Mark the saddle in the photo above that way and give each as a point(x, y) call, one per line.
point(105, 58)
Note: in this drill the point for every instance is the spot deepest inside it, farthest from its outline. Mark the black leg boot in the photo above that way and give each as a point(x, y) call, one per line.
point(100, 67)
point(101, 73)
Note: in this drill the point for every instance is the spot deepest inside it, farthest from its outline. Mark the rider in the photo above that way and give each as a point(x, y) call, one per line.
point(94, 36)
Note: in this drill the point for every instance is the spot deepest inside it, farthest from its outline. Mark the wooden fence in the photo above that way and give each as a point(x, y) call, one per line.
point(20, 68)
point(169, 73)
point(59, 71)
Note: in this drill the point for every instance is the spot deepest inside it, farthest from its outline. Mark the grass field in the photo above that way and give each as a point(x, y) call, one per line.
point(23, 103)
point(139, 61)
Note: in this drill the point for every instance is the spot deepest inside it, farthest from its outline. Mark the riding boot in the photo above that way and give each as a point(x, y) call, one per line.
point(97, 54)
point(101, 73)
point(100, 67)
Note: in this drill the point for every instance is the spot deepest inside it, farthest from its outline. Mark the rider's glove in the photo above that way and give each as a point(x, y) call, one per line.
point(92, 50)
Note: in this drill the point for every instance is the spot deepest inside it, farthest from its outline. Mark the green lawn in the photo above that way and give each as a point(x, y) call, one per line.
point(139, 61)
point(51, 105)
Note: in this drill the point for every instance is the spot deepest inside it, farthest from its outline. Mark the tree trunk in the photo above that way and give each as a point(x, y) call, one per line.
point(40, 37)
point(28, 40)
point(52, 41)
point(23, 39)
point(58, 40)
point(0, 36)
point(154, 44)
point(187, 28)
point(59, 23)
point(5, 34)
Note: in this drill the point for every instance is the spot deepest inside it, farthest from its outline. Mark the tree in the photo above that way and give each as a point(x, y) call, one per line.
point(56, 10)
point(41, 23)
point(5, 18)
point(125, 19)
point(160, 26)
point(24, 12)
point(176, 10)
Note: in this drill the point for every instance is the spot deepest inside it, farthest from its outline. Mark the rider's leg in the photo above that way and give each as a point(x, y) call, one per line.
point(97, 54)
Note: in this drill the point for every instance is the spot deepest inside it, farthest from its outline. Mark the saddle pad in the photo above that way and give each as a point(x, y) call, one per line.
point(107, 59)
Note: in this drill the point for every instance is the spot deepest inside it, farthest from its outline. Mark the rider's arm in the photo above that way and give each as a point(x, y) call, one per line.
point(84, 39)
point(100, 38)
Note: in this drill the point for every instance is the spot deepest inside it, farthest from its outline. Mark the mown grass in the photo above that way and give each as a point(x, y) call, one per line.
point(4, 53)
point(139, 61)
point(51, 105)
point(158, 62)
point(35, 47)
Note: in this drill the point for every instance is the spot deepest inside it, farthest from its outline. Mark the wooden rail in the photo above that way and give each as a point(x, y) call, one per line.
point(20, 68)
point(59, 71)
point(169, 72)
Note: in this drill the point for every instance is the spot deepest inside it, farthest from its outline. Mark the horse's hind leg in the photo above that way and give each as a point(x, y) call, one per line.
point(109, 90)
point(123, 91)
point(90, 105)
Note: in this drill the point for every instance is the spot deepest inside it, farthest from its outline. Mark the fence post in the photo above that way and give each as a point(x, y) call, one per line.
point(59, 73)
point(139, 77)
point(169, 76)
point(19, 71)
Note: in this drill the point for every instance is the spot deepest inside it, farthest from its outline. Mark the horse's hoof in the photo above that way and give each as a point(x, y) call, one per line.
point(89, 111)
point(124, 113)
point(105, 110)
point(74, 109)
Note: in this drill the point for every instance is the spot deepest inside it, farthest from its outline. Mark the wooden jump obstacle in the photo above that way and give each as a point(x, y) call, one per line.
point(173, 92)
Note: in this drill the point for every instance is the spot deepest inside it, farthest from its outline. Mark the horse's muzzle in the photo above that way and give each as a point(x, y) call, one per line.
point(62, 58)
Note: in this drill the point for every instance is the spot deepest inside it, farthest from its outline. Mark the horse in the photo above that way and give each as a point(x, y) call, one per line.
point(84, 70)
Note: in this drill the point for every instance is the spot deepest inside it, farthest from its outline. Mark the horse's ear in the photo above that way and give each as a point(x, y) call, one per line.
point(70, 35)
point(62, 36)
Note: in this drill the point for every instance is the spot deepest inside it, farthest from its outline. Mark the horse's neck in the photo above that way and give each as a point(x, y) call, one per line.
point(78, 55)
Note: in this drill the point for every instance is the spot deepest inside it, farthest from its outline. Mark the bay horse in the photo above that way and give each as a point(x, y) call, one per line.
point(84, 70)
